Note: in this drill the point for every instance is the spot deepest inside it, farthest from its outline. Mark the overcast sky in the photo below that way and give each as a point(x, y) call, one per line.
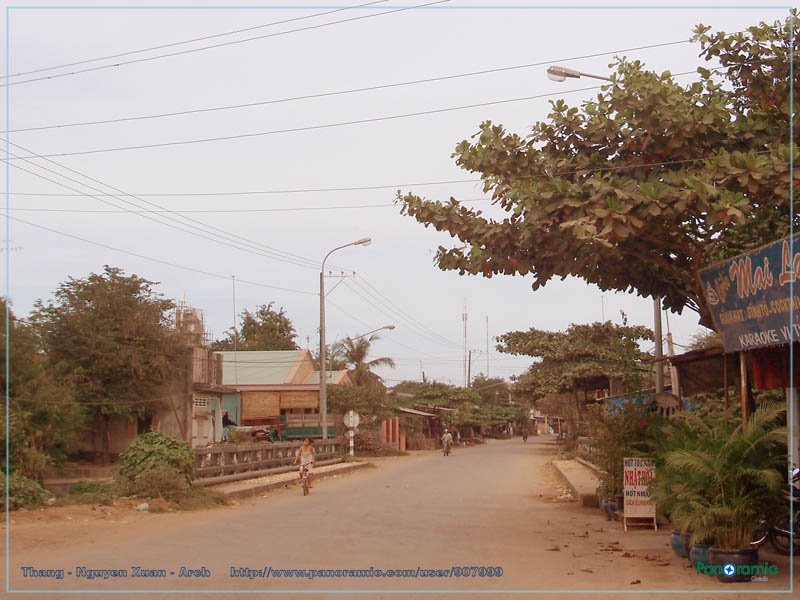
point(278, 239)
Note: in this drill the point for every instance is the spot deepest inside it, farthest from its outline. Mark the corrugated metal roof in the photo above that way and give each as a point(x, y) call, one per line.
point(254, 367)
point(333, 377)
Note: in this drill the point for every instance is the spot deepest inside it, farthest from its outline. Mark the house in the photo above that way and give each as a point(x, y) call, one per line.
point(277, 388)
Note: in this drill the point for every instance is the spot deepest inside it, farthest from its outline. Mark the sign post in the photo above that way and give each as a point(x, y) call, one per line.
point(638, 473)
point(351, 421)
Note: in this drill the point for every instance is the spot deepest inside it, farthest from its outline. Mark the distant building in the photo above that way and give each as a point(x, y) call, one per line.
point(278, 389)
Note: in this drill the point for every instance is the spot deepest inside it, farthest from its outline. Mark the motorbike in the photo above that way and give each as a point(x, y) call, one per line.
point(786, 528)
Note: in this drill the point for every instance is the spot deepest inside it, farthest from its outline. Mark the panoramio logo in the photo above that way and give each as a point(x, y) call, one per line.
point(755, 572)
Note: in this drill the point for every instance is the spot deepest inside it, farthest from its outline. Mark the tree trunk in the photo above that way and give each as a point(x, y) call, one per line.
point(97, 438)
point(106, 436)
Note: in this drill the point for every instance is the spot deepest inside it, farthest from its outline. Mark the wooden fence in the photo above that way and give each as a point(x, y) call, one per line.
point(229, 462)
point(586, 449)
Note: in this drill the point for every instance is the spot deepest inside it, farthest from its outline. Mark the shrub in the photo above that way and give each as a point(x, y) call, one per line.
point(88, 492)
point(163, 481)
point(153, 451)
point(22, 492)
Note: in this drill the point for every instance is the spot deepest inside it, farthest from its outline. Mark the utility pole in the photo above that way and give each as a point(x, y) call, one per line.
point(464, 318)
point(659, 343)
point(235, 333)
point(487, 346)
point(469, 368)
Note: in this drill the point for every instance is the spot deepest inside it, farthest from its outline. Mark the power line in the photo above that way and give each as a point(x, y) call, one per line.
point(193, 50)
point(262, 249)
point(414, 326)
point(386, 300)
point(389, 340)
point(225, 210)
point(342, 92)
point(157, 260)
point(269, 192)
point(310, 127)
point(200, 39)
point(323, 126)
point(189, 231)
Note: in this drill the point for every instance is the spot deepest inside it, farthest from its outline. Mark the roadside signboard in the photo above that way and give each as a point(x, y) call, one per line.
point(637, 475)
point(352, 419)
point(749, 298)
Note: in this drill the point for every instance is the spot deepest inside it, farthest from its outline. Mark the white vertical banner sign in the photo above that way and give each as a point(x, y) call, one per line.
point(637, 475)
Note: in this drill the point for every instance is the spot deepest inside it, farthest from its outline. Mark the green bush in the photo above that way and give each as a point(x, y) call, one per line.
point(153, 451)
point(88, 492)
point(22, 492)
point(163, 481)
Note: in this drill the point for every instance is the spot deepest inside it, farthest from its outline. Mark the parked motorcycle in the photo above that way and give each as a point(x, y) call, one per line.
point(782, 530)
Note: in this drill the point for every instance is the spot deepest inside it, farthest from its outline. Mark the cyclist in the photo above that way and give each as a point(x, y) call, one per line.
point(306, 456)
point(447, 439)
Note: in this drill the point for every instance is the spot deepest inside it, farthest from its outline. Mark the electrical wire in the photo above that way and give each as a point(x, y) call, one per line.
point(191, 41)
point(220, 45)
point(375, 292)
point(322, 126)
point(256, 134)
point(157, 260)
point(262, 249)
point(189, 231)
point(340, 92)
point(226, 210)
point(389, 340)
point(268, 192)
point(415, 327)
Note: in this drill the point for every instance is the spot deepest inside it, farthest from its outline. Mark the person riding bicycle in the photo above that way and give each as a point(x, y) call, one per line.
point(447, 439)
point(306, 456)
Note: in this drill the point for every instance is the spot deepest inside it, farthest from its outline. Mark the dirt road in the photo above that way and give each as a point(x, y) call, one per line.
point(490, 507)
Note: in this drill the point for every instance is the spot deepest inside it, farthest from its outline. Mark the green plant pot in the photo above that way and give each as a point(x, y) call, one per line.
point(736, 558)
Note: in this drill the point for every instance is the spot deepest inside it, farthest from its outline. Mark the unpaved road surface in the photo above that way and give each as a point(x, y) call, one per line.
point(491, 506)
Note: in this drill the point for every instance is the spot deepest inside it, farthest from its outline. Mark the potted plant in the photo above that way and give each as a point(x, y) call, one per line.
point(734, 472)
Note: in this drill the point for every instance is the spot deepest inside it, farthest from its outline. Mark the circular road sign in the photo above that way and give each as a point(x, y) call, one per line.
point(351, 419)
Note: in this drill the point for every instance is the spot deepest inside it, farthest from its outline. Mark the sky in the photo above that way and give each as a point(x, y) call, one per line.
point(247, 221)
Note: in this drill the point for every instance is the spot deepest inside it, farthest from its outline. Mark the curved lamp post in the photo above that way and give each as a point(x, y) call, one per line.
point(373, 331)
point(557, 73)
point(323, 376)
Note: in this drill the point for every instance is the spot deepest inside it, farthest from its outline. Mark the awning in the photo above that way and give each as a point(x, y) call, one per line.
point(412, 411)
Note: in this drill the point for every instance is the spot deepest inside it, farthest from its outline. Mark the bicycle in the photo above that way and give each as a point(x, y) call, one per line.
point(304, 480)
point(446, 449)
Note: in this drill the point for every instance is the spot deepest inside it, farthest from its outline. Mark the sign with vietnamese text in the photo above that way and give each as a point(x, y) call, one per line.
point(749, 296)
point(637, 475)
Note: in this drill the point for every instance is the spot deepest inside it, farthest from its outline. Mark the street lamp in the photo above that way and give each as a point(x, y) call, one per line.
point(373, 331)
point(323, 378)
point(557, 73)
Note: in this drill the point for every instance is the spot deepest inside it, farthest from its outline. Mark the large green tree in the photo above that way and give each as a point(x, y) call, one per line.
point(265, 329)
point(643, 185)
point(43, 416)
point(112, 335)
point(579, 359)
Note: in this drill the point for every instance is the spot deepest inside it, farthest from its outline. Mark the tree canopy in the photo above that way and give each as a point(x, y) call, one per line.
point(582, 357)
point(265, 329)
point(112, 335)
point(44, 418)
point(642, 186)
